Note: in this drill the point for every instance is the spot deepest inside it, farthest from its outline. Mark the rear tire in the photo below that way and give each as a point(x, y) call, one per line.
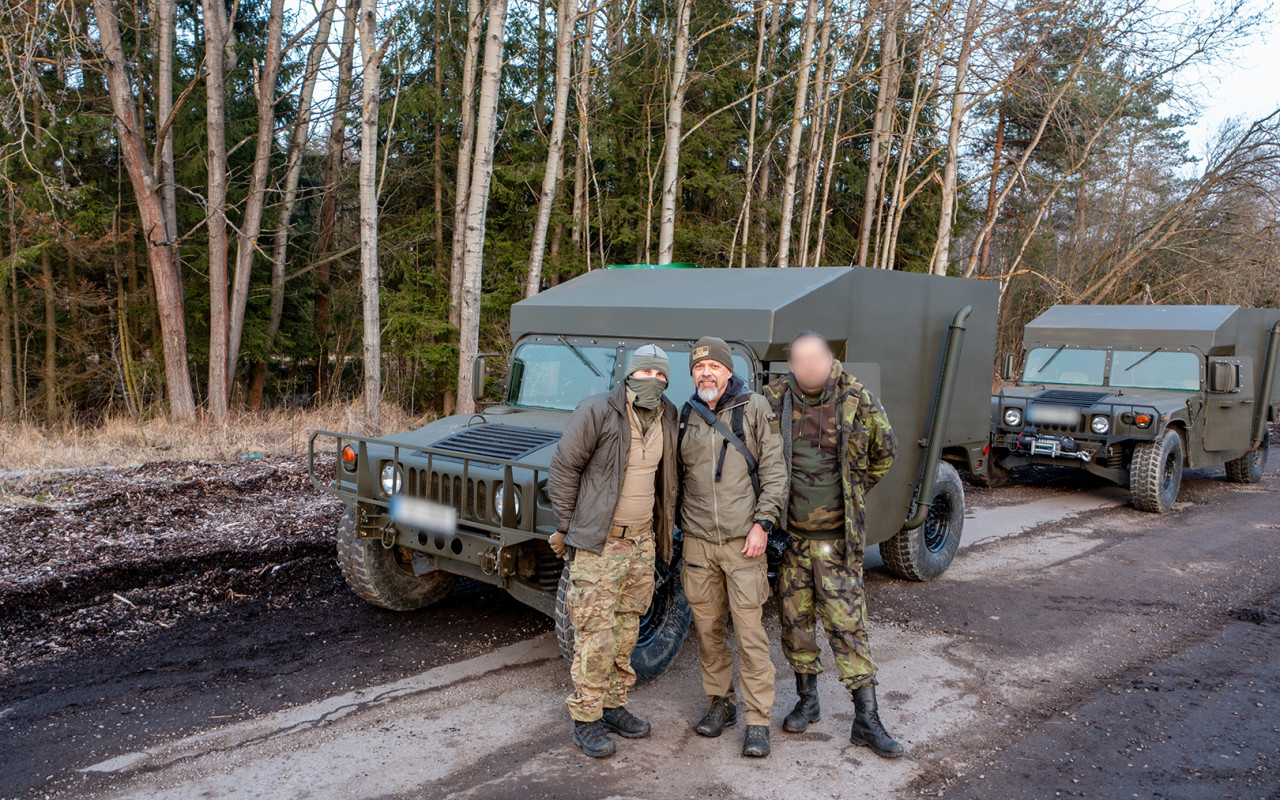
point(378, 576)
point(1155, 473)
point(925, 553)
point(993, 476)
point(662, 629)
point(1250, 467)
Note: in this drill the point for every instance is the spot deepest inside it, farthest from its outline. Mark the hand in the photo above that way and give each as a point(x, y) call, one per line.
point(556, 540)
point(757, 540)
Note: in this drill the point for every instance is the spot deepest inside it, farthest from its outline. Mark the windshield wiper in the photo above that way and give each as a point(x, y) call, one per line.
point(1046, 364)
point(573, 348)
point(1144, 358)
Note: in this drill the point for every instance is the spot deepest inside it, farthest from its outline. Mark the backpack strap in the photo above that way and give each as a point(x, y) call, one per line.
point(734, 436)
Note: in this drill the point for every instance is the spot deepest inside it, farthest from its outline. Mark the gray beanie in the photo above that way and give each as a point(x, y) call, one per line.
point(649, 356)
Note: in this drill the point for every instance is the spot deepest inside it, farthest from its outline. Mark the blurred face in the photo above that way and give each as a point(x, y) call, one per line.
point(811, 361)
point(710, 378)
point(649, 373)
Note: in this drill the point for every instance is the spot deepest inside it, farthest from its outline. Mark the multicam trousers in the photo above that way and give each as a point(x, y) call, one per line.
point(814, 582)
point(610, 593)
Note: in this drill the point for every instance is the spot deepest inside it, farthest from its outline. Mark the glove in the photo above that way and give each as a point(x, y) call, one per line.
point(556, 540)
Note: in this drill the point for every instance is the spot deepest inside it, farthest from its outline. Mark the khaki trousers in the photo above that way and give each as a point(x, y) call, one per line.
point(719, 581)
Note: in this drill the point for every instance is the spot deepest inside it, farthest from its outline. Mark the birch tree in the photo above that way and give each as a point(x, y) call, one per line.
point(671, 143)
point(371, 69)
point(797, 131)
point(478, 202)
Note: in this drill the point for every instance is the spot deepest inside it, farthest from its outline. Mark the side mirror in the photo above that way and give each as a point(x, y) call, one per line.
point(477, 379)
point(1224, 377)
point(1006, 367)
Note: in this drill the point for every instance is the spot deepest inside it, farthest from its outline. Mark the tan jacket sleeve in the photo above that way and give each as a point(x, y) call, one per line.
point(770, 464)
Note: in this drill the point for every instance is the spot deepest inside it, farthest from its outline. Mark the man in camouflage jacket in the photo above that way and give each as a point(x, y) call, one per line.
point(838, 444)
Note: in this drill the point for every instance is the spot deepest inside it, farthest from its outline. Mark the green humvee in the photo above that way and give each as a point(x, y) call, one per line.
point(466, 495)
point(1136, 393)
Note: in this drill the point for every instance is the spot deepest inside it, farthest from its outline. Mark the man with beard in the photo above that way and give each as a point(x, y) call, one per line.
point(613, 489)
point(837, 443)
point(732, 478)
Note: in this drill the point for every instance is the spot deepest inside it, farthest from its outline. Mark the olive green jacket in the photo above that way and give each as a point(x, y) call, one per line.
point(719, 511)
point(588, 466)
point(865, 438)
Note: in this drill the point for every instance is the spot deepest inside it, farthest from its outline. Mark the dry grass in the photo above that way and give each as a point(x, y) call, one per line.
point(122, 442)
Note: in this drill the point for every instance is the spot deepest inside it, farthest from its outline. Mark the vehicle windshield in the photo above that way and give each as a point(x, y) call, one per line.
point(558, 376)
point(1065, 365)
point(1155, 369)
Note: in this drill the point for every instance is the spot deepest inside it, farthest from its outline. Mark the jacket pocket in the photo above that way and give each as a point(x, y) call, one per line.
point(857, 449)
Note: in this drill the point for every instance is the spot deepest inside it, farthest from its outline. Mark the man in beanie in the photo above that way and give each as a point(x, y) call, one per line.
point(838, 444)
point(613, 490)
point(733, 478)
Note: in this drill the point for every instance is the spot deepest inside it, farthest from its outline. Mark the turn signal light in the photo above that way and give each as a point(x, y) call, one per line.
point(349, 457)
point(1142, 420)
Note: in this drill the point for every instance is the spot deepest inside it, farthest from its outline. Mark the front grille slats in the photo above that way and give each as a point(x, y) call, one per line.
point(507, 442)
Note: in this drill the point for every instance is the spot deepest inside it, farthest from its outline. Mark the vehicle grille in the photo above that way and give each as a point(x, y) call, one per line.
point(473, 501)
point(503, 442)
point(1069, 397)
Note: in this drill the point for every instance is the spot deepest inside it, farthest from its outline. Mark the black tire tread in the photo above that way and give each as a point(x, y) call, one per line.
point(904, 553)
point(372, 573)
point(1250, 467)
point(1145, 471)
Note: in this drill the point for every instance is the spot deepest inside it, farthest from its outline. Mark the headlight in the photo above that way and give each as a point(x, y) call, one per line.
point(1013, 417)
point(390, 478)
point(499, 495)
point(1100, 424)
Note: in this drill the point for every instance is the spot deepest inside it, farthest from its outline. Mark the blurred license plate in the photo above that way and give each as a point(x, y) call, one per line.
point(423, 515)
point(1041, 414)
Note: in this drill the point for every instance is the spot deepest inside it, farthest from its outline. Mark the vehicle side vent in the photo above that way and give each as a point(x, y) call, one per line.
point(1068, 397)
point(500, 442)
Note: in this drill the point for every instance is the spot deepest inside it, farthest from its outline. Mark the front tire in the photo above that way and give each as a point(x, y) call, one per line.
point(378, 576)
point(993, 476)
point(662, 629)
point(1155, 474)
point(1250, 467)
point(924, 553)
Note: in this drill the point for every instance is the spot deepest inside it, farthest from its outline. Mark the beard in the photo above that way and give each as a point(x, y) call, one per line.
point(708, 393)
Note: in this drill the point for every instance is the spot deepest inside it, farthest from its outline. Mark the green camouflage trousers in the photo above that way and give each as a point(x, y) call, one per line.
point(610, 593)
point(814, 582)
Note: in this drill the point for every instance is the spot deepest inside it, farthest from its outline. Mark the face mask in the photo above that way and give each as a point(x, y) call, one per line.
point(648, 391)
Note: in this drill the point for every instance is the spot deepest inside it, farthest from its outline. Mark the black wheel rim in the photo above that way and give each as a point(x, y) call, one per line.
point(1166, 480)
point(937, 525)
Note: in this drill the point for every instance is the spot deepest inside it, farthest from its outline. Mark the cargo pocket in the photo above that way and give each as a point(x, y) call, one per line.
point(585, 601)
point(695, 578)
point(749, 586)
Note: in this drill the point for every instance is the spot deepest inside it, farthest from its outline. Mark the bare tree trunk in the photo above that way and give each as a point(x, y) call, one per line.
point(946, 211)
point(50, 338)
point(766, 157)
point(478, 203)
point(580, 215)
point(826, 183)
point(293, 172)
point(326, 242)
point(164, 270)
point(251, 224)
point(555, 147)
point(215, 39)
point(164, 108)
point(996, 157)
point(671, 146)
point(797, 128)
point(371, 70)
point(466, 147)
point(753, 114)
point(437, 155)
point(886, 98)
point(7, 394)
point(817, 136)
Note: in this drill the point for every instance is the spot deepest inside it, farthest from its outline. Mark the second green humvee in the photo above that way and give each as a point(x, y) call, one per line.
point(1136, 393)
point(467, 495)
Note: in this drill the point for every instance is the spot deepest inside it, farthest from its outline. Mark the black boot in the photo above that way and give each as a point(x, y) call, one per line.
point(868, 730)
point(624, 723)
point(721, 715)
point(806, 710)
point(590, 736)
point(756, 745)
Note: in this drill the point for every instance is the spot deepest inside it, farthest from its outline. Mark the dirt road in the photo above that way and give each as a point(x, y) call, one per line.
point(1075, 648)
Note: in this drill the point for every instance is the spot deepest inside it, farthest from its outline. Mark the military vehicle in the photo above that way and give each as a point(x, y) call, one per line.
point(1136, 394)
point(466, 495)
